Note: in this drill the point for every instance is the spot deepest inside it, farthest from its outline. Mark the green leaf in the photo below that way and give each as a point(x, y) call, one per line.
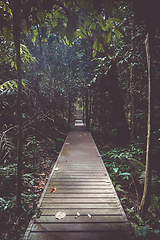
point(95, 45)
point(101, 21)
point(110, 23)
point(77, 33)
point(109, 35)
point(23, 83)
point(12, 64)
point(15, 65)
point(94, 53)
point(57, 15)
point(54, 23)
point(5, 85)
point(33, 36)
point(82, 29)
point(14, 83)
point(105, 28)
point(93, 26)
point(116, 20)
point(10, 85)
point(117, 33)
point(124, 174)
point(90, 33)
point(87, 22)
point(35, 32)
point(101, 48)
point(115, 170)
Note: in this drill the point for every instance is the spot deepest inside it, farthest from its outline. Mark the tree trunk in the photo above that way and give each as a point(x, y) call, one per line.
point(132, 105)
point(90, 107)
point(69, 113)
point(119, 116)
point(16, 32)
point(146, 198)
point(86, 104)
point(83, 97)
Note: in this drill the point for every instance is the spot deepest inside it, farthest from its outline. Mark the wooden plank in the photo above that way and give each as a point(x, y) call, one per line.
point(80, 186)
point(91, 165)
point(79, 235)
point(81, 219)
point(87, 184)
point(79, 176)
point(83, 212)
point(81, 195)
point(82, 181)
point(72, 170)
point(78, 200)
point(80, 227)
point(82, 172)
point(78, 179)
point(84, 186)
point(80, 190)
point(79, 205)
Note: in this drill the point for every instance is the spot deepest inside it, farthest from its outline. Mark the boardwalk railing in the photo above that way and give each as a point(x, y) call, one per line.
point(84, 196)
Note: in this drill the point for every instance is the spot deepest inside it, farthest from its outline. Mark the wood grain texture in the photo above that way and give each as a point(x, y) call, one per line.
point(84, 186)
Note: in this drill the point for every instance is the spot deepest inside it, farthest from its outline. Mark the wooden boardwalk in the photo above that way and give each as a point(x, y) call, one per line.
point(84, 192)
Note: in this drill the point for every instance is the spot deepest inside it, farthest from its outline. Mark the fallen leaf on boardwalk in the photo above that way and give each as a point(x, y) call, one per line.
point(60, 215)
point(38, 215)
point(78, 214)
point(42, 174)
point(40, 186)
point(89, 215)
point(53, 190)
point(56, 169)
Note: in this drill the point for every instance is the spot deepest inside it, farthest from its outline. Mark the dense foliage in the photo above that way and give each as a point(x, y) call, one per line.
point(77, 53)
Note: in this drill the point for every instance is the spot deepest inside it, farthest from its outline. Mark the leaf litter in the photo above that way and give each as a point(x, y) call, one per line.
point(78, 214)
point(53, 190)
point(60, 215)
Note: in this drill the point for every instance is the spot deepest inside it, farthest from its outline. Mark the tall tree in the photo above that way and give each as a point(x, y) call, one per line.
point(132, 73)
point(146, 198)
point(16, 32)
point(148, 11)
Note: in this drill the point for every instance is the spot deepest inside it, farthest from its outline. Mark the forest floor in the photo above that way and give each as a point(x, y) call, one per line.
point(40, 157)
point(126, 168)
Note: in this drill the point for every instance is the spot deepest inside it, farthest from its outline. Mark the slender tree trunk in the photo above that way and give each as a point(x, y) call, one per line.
point(83, 107)
point(132, 105)
point(146, 198)
point(86, 104)
point(69, 113)
point(39, 38)
point(16, 32)
point(90, 107)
